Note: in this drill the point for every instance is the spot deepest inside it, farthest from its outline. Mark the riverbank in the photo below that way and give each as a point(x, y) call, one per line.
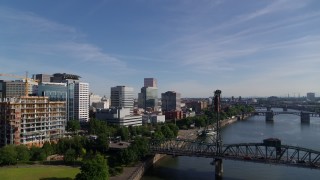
point(136, 172)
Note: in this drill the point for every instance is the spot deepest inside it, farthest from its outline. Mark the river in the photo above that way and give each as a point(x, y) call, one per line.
point(286, 127)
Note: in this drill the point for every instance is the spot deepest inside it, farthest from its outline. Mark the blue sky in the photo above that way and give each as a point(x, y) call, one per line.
point(243, 47)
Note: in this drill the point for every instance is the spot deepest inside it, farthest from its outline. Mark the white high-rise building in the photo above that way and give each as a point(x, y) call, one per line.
point(81, 101)
point(94, 98)
point(122, 96)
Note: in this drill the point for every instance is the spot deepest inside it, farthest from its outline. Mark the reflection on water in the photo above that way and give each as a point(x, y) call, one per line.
point(288, 128)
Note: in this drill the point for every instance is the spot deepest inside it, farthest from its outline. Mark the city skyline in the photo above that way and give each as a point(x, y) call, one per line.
point(248, 48)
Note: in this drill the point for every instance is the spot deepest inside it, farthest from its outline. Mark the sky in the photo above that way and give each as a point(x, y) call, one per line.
point(244, 48)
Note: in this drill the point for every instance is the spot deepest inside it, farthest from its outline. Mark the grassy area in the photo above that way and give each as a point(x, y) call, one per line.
point(38, 172)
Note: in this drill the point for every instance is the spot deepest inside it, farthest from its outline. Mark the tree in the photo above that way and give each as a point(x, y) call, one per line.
point(124, 133)
point(63, 145)
point(133, 130)
point(73, 126)
point(47, 149)
point(167, 132)
point(77, 143)
point(97, 127)
point(23, 153)
point(140, 146)
point(102, 143)
point(8, 155)
point(174, 129)
point(128, 155)
point(37, 154)
point(70, 156)
point(158, 135)
point(94, 168)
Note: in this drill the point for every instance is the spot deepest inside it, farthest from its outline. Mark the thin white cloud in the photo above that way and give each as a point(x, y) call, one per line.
point(50, 38)
point(274, 7)
point(31, 20)
point(88, 53)
point(215, 51)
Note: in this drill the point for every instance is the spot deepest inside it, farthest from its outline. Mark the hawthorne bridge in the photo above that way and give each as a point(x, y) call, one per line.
point(270, 151)
point(269, 114)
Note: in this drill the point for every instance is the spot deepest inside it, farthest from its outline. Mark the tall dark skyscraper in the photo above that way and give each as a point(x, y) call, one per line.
point(148, 97)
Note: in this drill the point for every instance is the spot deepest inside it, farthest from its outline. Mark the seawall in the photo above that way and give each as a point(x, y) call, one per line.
point(232, 120)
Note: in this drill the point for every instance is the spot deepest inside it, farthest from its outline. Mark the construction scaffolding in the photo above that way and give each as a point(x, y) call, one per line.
point(31, 120)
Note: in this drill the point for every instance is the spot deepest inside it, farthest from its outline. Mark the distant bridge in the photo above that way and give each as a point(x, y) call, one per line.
point(270, 151)
point(305, 116)
point(298, 113)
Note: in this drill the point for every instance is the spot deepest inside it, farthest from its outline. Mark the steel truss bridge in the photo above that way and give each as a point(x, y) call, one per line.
point(276, 154)
point(298, 113)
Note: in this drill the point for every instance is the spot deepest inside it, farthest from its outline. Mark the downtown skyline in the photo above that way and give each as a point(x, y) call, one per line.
point(245, 48)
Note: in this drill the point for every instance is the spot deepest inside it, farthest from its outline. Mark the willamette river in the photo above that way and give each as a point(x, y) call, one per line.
point(285, 127)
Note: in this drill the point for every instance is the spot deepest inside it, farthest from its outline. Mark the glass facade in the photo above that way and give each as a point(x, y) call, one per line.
point(55, 92)
point(148, 98)
point(70, 101)
point(59, 92)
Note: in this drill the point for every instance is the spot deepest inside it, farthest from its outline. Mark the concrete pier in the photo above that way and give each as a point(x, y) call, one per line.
point(285, 108)
point(305, 117)
point(218, 168)
point(269, 116)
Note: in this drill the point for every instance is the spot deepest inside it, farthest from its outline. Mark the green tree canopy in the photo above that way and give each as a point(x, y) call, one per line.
point(8, 155)
point(48, 149)
point(73, 126)
point(70, 156)
point(167, 132)
point(37, 154)
point(23, 153)
point(94, 168)
point(124, 133)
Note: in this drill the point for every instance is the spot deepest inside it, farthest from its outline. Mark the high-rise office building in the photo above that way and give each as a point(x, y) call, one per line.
point(42, 78)
point(122, 96)
point(148, 98)
point(311, 96)
point(2, 89)
point(77, 96)
point(17, 88)
point(150, 82)
point(171, 101)
point(64, 77)
point(81, 101)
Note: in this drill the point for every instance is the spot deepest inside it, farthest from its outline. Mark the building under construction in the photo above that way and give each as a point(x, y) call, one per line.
point(31, 120)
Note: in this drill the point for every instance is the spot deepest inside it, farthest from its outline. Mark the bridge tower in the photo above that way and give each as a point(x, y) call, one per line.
point(285, 108)
point(218, 161)
point(269, 115)
point(269, 108)
point(305, 117)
